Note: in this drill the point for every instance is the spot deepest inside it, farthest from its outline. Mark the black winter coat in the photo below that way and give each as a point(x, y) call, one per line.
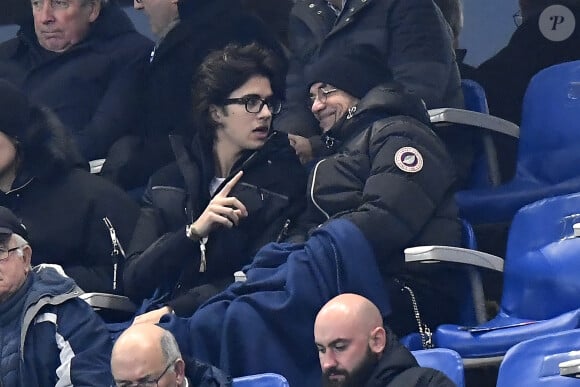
point(409, 36)
point(161, 255)
point(398, 368)
point(63, 206)
point(165, 99)
point(391, 176)
point(91, 87)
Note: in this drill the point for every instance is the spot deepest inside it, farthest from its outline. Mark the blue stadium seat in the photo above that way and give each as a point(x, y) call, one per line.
point(541, 287)
point(474, 96)
point(444, 360)
point(535, 362)
point(476, 119)
point(548, 149)
point(261, 380)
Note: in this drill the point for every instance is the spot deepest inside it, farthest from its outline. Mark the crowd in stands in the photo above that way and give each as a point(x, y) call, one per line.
point(298, 151)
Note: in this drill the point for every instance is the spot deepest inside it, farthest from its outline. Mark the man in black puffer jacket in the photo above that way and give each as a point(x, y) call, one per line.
point(410, 37)
point(390, 175)
point(229, 216)
point(356, 350)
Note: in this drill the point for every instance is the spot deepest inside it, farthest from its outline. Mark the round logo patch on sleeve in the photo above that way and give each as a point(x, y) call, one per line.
point(409, 160)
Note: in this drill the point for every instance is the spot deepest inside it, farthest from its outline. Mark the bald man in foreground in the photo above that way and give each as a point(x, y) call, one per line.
point(147, 355)
point(355, 349)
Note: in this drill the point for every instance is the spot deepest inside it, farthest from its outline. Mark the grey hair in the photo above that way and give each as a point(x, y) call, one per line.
point(19, 240)
point(169, 347)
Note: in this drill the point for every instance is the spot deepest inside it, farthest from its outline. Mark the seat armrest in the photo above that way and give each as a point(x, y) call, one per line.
point(96, 165)
point(448, 116)
point(453, 255)
point(106, 301)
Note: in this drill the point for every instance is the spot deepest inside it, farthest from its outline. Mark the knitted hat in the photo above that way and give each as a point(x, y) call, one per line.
point(14, 109)
point(355, 72)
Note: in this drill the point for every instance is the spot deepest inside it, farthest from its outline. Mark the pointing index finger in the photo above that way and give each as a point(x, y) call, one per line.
point(230, 184)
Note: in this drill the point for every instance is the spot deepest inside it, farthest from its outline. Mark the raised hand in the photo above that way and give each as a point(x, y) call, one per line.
point(222, 210)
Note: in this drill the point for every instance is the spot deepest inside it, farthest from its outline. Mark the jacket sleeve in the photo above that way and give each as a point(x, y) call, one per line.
point(94, 271)
point(420, 58)
point(156, 255)
point(117, 111)
point(84, 344)
point(395, 204)
point(295, 116)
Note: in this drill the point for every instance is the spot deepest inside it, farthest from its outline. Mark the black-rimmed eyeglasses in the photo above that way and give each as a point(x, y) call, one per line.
point(518, 18)
point(321, 94)
point(255, 104)
point(5, 253)
point(144, 383)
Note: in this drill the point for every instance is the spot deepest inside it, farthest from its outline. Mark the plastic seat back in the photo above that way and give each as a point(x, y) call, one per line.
point(261, 380)
point(542, 264)
point(445, 360)
point(550, 128)
point(535, 362)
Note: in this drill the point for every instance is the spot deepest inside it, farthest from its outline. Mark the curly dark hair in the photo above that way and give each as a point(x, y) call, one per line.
point(224, 71)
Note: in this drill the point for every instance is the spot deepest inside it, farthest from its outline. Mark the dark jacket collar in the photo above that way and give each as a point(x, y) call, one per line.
point(395, 359)
point(380, 102)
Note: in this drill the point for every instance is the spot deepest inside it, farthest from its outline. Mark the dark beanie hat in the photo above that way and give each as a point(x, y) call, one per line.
point(15, 109)
point(355, 72)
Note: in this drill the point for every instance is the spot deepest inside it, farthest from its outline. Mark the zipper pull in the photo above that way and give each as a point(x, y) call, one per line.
point(117, 249)
point(203, 260)
point(284, 231)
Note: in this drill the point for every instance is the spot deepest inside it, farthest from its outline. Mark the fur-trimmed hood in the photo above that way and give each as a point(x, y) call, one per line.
point(42, 144)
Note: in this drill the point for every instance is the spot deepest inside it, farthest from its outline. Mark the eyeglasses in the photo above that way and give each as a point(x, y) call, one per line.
point(518, 18)
point(321, 95)
point(255, 104)
point(145, 383)
point(4, 254)
point(54, 4)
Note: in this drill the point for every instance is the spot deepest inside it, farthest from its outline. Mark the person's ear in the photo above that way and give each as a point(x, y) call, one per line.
point(378, 340)
point(179, 371)
point(95, 10)
point(27, 255)
point(216, 113)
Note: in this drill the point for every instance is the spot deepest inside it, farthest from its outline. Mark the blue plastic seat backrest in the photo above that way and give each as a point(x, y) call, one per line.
point(550, 128)
point(542, 263)
point(475, 100)
point(261, 380)
point(445, 360)
point(534, 363)
point(474, 96)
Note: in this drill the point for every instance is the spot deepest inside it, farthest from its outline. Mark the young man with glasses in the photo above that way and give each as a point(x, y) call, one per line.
point(146, 355)
point(236, 187)
point(48, 336)
point(185, 32)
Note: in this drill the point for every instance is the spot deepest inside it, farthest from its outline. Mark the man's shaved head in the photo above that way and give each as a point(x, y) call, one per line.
point(350, 338)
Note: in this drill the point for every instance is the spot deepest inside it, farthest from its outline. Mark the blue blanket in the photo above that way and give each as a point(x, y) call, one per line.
point(266, 324)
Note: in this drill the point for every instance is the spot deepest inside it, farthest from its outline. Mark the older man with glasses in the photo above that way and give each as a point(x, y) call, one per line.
point(48, 336)
point(146, 355)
